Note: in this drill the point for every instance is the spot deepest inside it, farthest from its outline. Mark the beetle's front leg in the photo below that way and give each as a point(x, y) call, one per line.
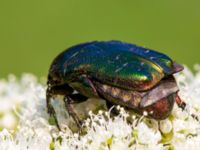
point(50, 108)
point(56, 90)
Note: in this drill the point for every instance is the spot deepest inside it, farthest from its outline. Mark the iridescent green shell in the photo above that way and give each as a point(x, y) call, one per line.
point(114, 63)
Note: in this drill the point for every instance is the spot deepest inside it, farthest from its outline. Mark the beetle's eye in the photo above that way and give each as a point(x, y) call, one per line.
point(54, 78)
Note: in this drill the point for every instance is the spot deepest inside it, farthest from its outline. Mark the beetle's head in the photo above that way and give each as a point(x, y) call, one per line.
point(52, 81)
point(54, 76)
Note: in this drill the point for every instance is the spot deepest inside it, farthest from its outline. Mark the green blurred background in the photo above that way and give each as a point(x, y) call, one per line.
point(32, 33)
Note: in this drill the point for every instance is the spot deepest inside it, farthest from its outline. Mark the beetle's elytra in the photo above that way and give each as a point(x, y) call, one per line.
point(124, 74)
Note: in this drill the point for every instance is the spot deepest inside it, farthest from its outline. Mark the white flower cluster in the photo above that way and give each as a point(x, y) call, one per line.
point(24, 122)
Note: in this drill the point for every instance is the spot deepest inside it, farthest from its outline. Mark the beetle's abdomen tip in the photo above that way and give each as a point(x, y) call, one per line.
point(161, 109)
point(177, 67)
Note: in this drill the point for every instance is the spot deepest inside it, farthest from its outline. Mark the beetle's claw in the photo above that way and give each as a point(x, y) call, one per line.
point(56, 122)
point(78, 122)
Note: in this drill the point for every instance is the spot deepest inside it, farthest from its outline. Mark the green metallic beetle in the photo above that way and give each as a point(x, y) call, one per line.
point(124, 74)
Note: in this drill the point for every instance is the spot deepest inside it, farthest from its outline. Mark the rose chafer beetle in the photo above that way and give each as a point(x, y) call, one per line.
point(124, 74)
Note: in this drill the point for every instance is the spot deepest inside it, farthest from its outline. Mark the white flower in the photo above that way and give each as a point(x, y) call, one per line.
point(24, 121)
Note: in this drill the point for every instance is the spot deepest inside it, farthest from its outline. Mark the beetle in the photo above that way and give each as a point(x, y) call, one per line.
point(123, 74)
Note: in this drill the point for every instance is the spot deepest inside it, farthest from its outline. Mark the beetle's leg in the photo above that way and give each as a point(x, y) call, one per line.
point(183, 105)
point(72, 99)
point(55, 90)
point(180, 103)
point(50, 108)
point(86, 80)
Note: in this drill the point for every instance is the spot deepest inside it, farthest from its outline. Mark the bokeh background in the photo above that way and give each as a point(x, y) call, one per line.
point(33, 32)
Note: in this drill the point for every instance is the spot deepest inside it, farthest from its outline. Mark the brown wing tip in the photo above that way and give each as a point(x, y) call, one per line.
point(177, 67)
